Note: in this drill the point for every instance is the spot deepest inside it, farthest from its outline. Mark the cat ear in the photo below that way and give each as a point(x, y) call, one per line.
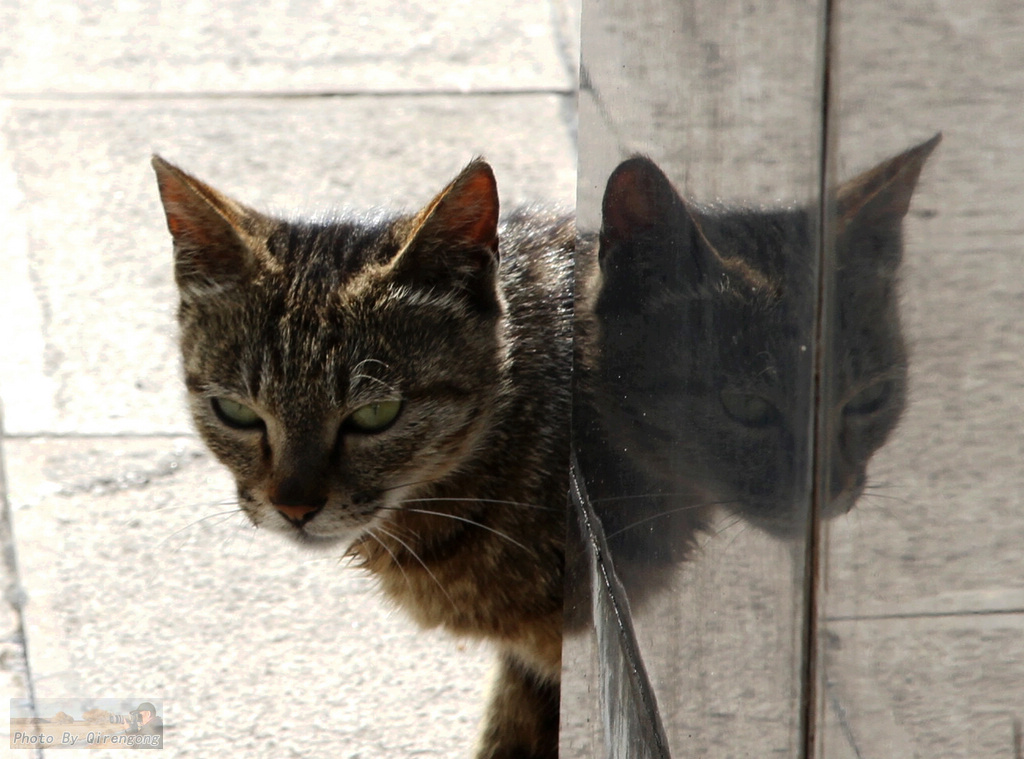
point(210, 231)
point(454, 239)
point(650, 239)
point(638, 198)
point(881, 196)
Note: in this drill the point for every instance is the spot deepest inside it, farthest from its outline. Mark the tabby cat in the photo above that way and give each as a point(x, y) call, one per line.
point(398, 387)
point(695, 338)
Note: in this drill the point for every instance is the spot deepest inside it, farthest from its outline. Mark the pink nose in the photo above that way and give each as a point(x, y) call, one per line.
point(296, 513)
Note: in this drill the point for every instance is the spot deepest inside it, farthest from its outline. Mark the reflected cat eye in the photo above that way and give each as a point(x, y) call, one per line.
point(870, 399)
point(750, 409)
point(374, 417)
point(235, 414)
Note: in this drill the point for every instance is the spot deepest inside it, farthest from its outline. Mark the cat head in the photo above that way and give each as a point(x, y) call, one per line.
point(337, 366)
point(706, 338)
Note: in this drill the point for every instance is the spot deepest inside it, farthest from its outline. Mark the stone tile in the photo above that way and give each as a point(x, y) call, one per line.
point(284, 46)
point(142, 580)
point(928, 686)
point(88, 299)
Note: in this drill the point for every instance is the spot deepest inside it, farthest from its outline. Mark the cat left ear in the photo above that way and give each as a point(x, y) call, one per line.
point(882, 194)
point(466, 211)
point(455, 237)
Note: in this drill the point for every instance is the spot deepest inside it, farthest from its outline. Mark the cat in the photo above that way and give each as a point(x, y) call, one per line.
point(695, 337)
point(398, 385)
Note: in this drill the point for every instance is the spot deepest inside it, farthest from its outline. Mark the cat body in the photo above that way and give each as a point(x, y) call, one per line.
point(398, 387)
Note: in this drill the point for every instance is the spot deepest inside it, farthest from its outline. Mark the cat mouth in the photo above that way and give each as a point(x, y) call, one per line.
point(315, 536)
point(320, 529)
point(843, 503)
point(789, 523)
point(309, 540)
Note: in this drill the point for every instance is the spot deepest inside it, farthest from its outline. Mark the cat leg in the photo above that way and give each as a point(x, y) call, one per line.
point(522, 716)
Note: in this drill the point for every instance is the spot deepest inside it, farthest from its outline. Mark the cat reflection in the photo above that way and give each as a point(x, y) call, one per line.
point(695, 351)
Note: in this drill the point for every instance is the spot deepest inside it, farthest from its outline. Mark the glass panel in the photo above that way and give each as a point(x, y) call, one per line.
point(923, 622)
point(696, 350)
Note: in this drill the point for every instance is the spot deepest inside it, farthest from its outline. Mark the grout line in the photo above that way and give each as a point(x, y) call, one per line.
point(96, 435)
point(928, 615)
point(64, 97)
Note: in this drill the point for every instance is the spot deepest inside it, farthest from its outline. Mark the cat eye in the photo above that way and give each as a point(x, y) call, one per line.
point(374, 417)
point(869, 400)
point(749, 409)
point(235, 414)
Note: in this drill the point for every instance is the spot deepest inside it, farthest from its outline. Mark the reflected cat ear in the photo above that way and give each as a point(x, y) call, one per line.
point(882, 194)
point(637, 199)
point(454, 239)
point(210, 230)
point(650, 239)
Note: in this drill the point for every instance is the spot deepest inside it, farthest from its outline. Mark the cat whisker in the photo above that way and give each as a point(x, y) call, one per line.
point(641, 496)
point(223, 515)
point(667, 512)
point(176, 506)
point(422, 563)
point(358, 367)
point(729, 524)
point(886, 485)
point(358, 374)
point(744, 526)
point(390, 553)
point(884, 496)
point(409, 484)
point(387, 385)
point(522, 504)
point(465, 520)
point(399, 531)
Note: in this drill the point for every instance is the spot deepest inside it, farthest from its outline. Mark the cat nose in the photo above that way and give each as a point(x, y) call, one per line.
point(297, 514)
point(297, 500)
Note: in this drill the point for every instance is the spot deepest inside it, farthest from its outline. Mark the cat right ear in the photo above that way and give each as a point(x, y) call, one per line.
point(212, 233)
point(882, 194)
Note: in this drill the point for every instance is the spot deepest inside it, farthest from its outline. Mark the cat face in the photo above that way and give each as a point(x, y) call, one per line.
point(337, 368)
point(706, 321)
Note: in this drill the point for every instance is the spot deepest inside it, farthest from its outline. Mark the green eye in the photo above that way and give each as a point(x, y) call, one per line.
point(235, 414)
point(375, 417)
point(750, 409)
point(869, 400)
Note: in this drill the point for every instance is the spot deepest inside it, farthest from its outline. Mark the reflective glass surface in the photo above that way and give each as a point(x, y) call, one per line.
point(797, 421)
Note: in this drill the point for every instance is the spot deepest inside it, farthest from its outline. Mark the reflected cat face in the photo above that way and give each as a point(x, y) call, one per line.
point(706, 339)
